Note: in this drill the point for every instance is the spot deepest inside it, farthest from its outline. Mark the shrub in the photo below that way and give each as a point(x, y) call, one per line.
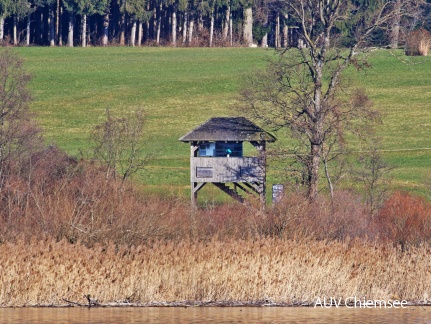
point(418, 42)
point(58, 197)
point(343, 217)
point(404, 219)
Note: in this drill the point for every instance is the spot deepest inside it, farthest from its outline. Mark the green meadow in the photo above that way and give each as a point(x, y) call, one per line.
point(179, 88)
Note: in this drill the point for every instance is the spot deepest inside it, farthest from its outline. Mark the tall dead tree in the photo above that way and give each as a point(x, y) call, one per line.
point(300, 90)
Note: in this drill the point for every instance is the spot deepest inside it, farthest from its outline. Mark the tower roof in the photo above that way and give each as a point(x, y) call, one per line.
point(228, 129)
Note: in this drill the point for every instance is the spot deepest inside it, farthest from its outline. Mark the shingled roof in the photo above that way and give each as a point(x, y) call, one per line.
point(228, 129)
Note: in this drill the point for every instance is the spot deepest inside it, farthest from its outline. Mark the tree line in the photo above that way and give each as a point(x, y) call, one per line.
point(184, 22)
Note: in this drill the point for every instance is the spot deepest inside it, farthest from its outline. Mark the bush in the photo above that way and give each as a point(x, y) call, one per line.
point(418, 43)
point(404, 219)
point(341, 218)
point(54, 196)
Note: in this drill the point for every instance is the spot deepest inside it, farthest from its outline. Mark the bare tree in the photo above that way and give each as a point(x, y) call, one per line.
point(118, 144)
point(17, 129)
point(302, 90)
point(373, 174)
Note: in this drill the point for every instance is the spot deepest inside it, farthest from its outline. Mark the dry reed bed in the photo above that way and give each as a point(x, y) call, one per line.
point(283, 271)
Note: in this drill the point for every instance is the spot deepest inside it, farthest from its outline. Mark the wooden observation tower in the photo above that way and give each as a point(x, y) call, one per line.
point(216, 156)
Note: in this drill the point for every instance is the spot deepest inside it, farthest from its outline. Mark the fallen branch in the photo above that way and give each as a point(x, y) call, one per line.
point(73, 303)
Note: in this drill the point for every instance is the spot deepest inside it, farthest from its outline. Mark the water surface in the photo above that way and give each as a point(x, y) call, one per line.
point(214, 315)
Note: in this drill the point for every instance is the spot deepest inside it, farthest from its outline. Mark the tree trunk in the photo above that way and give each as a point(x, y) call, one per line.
point(395, 30)
point(226, 23)
point(313, 171)
point(159, 24)
point(154, 23)
point(316, 127)
point(212, 28)
point(15, 34)
point(248, 26)
point(328, 178)
point(147, 25)
point(231, 29)
point(133, 33)
point(51, 22)
point(41, 34)
point(140, 30)
point(1, 30)
point(147, 30)
point(264, 42)
point(70, 33)
point(88, 33)
point(285, 32)
point(57, 24)
point(123, 29)
point(191, 26)
point(277, 30)
point(105, 29)
point(84, 31)
point(27, 38)
point(174, 27)
point(200, 23)
point(185, 27)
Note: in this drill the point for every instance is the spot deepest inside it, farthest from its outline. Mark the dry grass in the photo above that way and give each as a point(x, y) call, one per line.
point(286, 271)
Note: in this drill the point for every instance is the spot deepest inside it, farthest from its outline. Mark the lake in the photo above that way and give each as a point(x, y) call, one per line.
point(415, 314)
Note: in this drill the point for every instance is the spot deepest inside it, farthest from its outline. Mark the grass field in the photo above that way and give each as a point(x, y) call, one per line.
point(181, 88)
